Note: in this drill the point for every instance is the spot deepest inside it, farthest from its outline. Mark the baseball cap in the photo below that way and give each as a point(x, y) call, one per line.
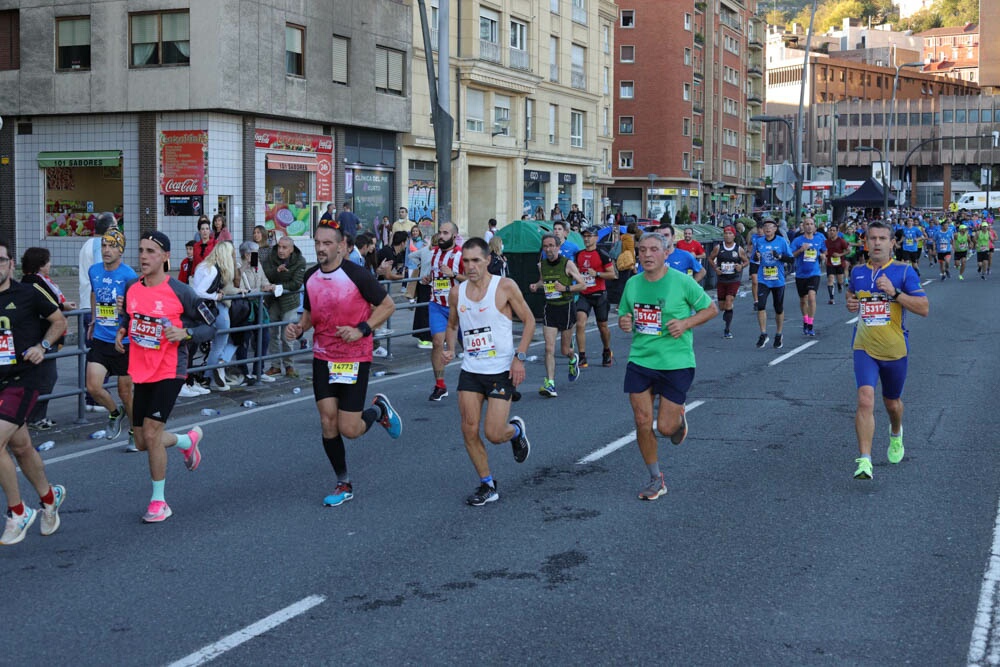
point(589, 230)
point(159, 238)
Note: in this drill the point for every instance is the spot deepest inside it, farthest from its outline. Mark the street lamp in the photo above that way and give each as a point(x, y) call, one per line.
point(649, 202)
point(892, 114)
point(796, 165)
point(885, 188)
point(699, 167)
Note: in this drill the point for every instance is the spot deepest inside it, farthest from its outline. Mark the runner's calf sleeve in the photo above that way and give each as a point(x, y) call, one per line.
point(334, 448)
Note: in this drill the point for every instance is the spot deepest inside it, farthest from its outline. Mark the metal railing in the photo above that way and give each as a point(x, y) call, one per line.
point(489, 51)
point(520, 59)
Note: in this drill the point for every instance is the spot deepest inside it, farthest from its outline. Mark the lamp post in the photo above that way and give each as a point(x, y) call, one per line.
point(649, 194)
point(892, 118)
point(699, 167)
point(885, 187)
point(796, 165)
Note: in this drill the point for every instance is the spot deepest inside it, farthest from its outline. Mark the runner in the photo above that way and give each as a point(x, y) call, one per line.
point(659, 307)
point(161, 316)
point(913, 237)
point(758, 233)
point(483, 308)
point(943, 239)
point(595, 266)
point(809, 250)
point(772, 251)
point(30, 326)
point(108, 280)
point(446, 272)
point(982, 241)
point(679, 259)
point(962, 242)
point(729, 260)
point(343, 303)
point(880, 291)
point(559, 279)
point(836, 262)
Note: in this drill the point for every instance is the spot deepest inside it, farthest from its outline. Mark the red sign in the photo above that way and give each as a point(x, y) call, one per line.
point(183, 162)
point(280, 140)
point(324, 177)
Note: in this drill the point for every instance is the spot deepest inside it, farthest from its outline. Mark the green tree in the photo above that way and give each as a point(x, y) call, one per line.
point(925, 19)
point(957, 12)
point(776, 17)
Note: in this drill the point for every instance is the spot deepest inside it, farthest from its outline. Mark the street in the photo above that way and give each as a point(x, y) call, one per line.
point(765, 551)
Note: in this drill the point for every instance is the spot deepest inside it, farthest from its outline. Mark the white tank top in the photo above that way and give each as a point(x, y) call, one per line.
point(487, 334)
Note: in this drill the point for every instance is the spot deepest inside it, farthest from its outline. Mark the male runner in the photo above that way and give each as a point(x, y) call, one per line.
point(108, 280)
point(962, 243)
point(729, 260)
point(757, 233)
point(809, 250)
point(943, 239)
point(983, 251)
point(596, 266)
point(559, 279)
point(836, 262)
point(446, 272)
point(688, 244)
point(567, 248)
point(913, 236)
point(30, 324)
point(482, 308)
point(879, 292)
point(161, 316)
point(773, 251)
point(344, 303)
point(659, 307)
point(678, 259)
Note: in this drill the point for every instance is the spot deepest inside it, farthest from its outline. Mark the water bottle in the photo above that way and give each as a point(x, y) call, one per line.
point(209, 412)
point(46, 446)
point(249, 404)
point(378, 374)
point(98, 435)
point(533, 357)
point(297, 390)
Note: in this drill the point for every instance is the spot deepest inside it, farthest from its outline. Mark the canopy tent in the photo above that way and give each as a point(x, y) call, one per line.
point(869, 195)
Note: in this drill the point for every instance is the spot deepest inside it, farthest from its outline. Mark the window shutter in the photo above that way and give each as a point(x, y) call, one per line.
point(395, 63)
point(177, 27)
point(144, 29)
point(340, 59)
point(381, 68)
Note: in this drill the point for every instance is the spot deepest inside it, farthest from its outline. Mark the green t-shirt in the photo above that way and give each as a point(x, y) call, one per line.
point(652, 305)
point(552, 274)
point(962, 242)
point(982, 241)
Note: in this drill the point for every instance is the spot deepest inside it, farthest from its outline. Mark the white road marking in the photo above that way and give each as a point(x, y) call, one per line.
point(213, 651)
point(927, 282)
point(984, 648)
point(851, 321)
point(626, 439)
point(786, 355)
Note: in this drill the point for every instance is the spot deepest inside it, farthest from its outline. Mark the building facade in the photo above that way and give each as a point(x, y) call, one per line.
point(688, 76)
point(952, 52)
point(141, 108)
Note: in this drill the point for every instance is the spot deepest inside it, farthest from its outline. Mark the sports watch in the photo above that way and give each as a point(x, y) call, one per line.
point(46, 345)
point(521, 356)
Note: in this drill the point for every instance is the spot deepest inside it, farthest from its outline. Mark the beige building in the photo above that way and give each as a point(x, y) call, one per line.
point(530, 92)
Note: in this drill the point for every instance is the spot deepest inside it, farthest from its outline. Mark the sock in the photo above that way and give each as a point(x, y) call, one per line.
point(439, 383)
point(370, 416)
point(158, 487)
point(840, 287)
point(810, 320)
point(488, 481)
point(654, 469)
point(896, 435)
point(49, 498)
point(867, 456)
point(829, 288)
point(183, 441)
point(16, 510)
point(334, 448)
point(115, 413)
point(517, 431)
point(727, 317)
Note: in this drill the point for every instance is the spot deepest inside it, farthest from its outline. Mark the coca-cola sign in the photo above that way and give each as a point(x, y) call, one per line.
point(280, 140)
point(188, 186)
point(183, 162)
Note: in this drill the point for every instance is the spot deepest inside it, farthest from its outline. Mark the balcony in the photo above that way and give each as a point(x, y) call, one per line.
point(754, 98)
point(699, 39)
point(698, 107)
point(519, 59)
point(700, 7)
point(755, 71)
point(753, 154)
point(554, 72)
point(755, 44)
point(731, 21)
point(578, 78)
point(579, 15)
point(698, 141)
point(753, 127)
point(489, 51)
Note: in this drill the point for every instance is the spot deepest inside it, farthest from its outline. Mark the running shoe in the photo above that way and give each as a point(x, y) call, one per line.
point(264, 377)
point(438, 393)
point(187, 391)
point(805, 329)
point(606, 358)
point(811, 332)
point(762, 341)
point(157, 511)
point(519, 443)
point(777, 342)
point(654, 489)
point(115, 422)
point(425, 345)
point(484, 494)
point(583, 360)
point(896, 447)
point(17, 526)
point(830, 302)
point(574, 367)
point(390, 418)
point(50, 513)
point(678, 436)
point(864, 470)
point(42, 424)
point(130, 447)
point(341, 494)
point(548, 389)
point(961, 277)
point(192, 456)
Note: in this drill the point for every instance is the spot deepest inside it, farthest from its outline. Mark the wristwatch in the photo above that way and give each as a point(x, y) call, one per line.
point(46, 345)
point(189, 334)
point(521, 356)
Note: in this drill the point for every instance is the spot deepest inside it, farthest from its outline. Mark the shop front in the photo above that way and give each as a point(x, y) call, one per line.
point(567, 187)
point(80, 185)
point(298, 179)
point(534, 192)
point(370, 190)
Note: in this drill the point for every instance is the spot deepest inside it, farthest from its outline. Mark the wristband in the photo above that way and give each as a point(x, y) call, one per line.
point(364, 329)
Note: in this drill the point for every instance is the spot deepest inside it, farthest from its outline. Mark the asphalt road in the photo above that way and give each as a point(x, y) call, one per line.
point(765, 551)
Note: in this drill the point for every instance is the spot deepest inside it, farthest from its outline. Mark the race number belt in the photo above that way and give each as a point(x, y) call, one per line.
point(647, 319)
point(146, 331)
point(342, 372)
point(479, 343)
point(8, 356)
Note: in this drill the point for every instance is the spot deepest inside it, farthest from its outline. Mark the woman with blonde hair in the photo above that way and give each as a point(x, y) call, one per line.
point(498, 262)
point(215, 278)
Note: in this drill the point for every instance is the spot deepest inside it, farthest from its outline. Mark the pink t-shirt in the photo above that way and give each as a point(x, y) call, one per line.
point(343, 297)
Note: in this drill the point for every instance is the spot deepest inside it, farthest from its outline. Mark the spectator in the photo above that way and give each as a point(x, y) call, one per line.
point(360, 248)
point(557, 213)
point(90, 254)
point(539, 213)
point(491, 230)
point(219, 230)
point(419, 264)
point(215, 278)
point(575, 218)
point(35, 264)
point(203, 245)
point(285, 268)
point(349, 222)
point(403, 223)
point(384, 231)
point(328, 215)
point(498, 262)
point(253, 281)
point(184, 275)
point(391, 259)
point(263, 241)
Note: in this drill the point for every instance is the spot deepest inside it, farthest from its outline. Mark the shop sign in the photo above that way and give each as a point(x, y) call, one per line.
point(566, 179)
point(279, 140)
point(324, 177)
point(183, 162)
point(535, 176)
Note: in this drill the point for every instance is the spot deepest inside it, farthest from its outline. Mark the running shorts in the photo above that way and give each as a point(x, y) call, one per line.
point(438, 316)
point(983, 256)
point(779, 297)
point(598, 302)
point(559, 316)
point(154, 400)
point(104, 353)
point(671, 385)
point(961, 254)
point(727, 289)
point(495, 385)
point(806, 285)
point(868, 371)
point(350, 396)
point(16, 403)
point(835, 270)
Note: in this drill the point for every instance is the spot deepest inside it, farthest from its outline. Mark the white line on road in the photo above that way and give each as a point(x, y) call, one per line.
point(786, 355)
point(927, 282)
point(626, 439)
point(852, 321)
point(984, 649)
point(213, 651)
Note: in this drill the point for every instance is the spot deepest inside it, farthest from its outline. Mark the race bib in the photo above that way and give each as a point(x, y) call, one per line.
point(589, 281)
point(690, 272)
point(441, 288)
point(809, 255)
point(146, 331)
point(550, 289)
point(942, 247)
point(647, 319)
point(875, 311)
point(8, 357)
point(835, 261)
point(343, 372)
point(770, 273)
point(728, 267)
point(479, 344)
point(107, 315)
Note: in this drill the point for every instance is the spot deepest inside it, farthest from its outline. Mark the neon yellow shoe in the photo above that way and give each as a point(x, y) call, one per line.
point(864, 470)
point(896, 447)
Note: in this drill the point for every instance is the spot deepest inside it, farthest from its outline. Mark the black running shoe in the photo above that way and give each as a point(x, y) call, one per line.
point(777, 342)
point(438, 393)
point(762, 341)
point(484, 494)
point(520, 443)
point(606, 357)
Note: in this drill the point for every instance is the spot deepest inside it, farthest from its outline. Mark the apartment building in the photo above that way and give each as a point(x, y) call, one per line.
point(530, 92)
point(262, 110)
point(952, 52)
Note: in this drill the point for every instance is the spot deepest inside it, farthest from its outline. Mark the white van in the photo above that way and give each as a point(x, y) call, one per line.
point(977, 200)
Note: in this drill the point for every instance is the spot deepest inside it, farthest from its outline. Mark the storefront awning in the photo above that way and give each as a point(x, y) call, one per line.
point(79, 159)
point(291, 162)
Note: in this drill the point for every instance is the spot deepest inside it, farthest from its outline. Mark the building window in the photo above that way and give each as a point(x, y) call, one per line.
point(606, 38)
point(625, 159)
point(160, 39)
point(475, 101)
point(626, 90)
point(687, 92)
point(529, 115)
point(554, 6)
point(685, 162)
point(960, 115)
point(628, 18)
point(578, 74)
point(606, 121)
point(489, 35)
point(607, 81)
point(576, 129)
point(554, 59)
point(686, 127)
point(553, 123)
point(579, 11)
point(519, 46)
point(10, 38)
point(73, 43)
point(628, 54)
point(626, 125)
point(295, 52)
point(340, 57)
point(687, 57)
point(501, 115)
point(687, 22)
point(389, 65)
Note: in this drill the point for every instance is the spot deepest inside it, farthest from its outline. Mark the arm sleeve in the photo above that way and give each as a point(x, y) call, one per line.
point(191, 318)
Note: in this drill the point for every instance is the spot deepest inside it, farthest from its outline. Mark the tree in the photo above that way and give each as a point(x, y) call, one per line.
point(925, 19)
point(776, 17)
point(831, 14)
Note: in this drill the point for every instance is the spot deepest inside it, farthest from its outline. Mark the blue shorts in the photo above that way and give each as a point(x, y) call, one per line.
point(438, 315)
point(671, 385)
point(868, 372)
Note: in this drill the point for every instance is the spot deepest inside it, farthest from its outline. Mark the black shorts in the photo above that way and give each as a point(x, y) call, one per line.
point(806, 285)
point(671, 385)
point(491, 386)
point(835, 270)
point(598, 302)
point(779, 298)
point(911, 255)
point(105, 354)
point(560, 316)
point(154, 400)
point(16, 403)
point(943, 256)
point(753, 269)
point(982, 255)
point(350, 397)
point(961, 254)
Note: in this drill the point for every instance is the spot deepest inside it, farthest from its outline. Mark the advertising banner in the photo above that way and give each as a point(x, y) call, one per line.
point(183, 162)
point(279, 140)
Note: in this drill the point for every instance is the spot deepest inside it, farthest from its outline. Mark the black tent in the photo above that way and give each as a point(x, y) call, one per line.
point(869, 195)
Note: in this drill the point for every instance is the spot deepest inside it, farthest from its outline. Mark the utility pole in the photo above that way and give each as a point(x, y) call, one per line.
point(444, 124)
point(833, 157)
point(800, 123)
